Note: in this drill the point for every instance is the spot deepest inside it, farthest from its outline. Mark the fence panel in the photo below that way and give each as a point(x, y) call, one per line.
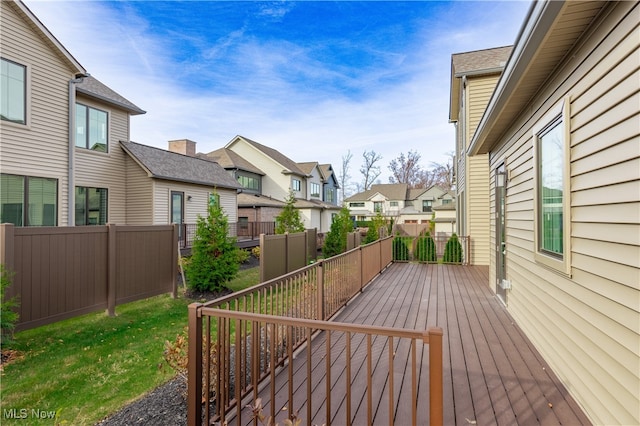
point(62, 272)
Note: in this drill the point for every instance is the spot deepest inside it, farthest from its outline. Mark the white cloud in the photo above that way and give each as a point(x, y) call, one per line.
point(259, 93)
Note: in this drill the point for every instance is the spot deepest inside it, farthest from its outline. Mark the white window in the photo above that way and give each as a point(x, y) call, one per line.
point(552, 235)
point(13, 92)
point(296, 185)
point(315, 190)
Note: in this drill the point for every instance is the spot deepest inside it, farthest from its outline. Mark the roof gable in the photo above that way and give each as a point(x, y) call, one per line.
point(232, 160)
point(91, 86)
point(289, 166)
point(168, 165)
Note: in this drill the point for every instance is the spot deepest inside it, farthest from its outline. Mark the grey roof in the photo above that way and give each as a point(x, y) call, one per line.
point(231, 160)
point(90, 86)
point(169, 165)
point(256, 200)
point(327, 171)
point(289, 165)
point(480, 60)
point(392, 191)
point(314, 204)
point(308, 166)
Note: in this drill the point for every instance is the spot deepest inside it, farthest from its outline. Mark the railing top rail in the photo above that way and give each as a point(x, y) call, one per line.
point(323, 325)
point(276, 280)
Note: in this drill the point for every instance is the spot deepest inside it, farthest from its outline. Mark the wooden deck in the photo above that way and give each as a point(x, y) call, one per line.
point(492, 373)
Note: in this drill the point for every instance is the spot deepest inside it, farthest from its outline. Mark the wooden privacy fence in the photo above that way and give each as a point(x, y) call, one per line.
point(62, 272)
point(239, 341)
point(283, 253)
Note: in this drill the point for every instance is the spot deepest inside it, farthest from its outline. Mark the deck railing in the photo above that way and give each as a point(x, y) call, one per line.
point(242, 231)
point(238, 341)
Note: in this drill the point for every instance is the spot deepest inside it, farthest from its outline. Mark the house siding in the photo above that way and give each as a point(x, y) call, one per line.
point(476, 189)
point(586, 324)
point(196, 206)
point(139, 194)
point(106, 170)
point(39, 148)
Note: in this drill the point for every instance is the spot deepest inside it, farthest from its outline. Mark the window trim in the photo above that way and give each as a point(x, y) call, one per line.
point(562, 264)
point(296, 185)
point(87, 130)
point(312, 186)
point(27, 95)
point(27, 205)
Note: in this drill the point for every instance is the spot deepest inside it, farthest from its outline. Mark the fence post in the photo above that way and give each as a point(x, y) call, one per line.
point(111, 269)
point(194, 372)
point(361, 260)
point(174, 270)
point(435, 376)
point(320, 289)
point(7, 241)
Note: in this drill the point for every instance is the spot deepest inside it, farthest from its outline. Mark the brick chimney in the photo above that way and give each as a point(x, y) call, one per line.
point(183, 146)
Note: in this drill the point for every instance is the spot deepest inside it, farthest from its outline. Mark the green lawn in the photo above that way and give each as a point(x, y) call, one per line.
point(86, 368)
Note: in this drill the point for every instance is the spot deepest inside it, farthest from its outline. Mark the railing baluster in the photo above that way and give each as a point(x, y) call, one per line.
point(348, 380)
point(414, 384)
point(391, 354)
point(369, 396)
point(328, 376)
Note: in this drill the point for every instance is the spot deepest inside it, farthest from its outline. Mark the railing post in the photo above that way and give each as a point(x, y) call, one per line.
point(361, 260)
point(194, 372)
point(111, 269)
point(435, 376)
point(320, 289)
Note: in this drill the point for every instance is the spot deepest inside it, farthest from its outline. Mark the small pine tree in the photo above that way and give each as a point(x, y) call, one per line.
point(373, 233)
point(8, 316)
point(289, 219)
point(426, 249)
point(336, 239)
point(214, 258)
point(453, 250)
point(400, 249)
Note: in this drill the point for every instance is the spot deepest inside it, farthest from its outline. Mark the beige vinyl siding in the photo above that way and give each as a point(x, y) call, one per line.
point(40, 148)
point(106, 170)
point(586, 325)
point(274, 183)
point(139, 194)
point(478, 92)
point(198, 204)
point(478, 208)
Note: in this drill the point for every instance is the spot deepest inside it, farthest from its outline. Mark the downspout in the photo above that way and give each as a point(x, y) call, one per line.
point(71, 195)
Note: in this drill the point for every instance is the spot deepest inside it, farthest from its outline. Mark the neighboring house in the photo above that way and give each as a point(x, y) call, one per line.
point(175, 187)
point(562, 134)
point(473, 78)
point(60, 161)
point(272, 176)
point(400, 203)
point(330, 184)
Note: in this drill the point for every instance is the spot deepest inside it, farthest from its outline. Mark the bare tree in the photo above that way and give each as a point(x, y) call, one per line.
point(443, 173)
point(425, 179)
point(406, 169)
point(344, 175)
point(369, 169)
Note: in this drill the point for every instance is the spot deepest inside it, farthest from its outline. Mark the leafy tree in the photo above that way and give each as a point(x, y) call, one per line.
point(336, 239)
point(8, 316)
point(453, 250)
point(289, 219)
point(214, 258)
point(426, 249)
point(374, 228)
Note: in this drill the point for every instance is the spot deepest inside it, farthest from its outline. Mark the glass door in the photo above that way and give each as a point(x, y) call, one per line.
point(177, 211)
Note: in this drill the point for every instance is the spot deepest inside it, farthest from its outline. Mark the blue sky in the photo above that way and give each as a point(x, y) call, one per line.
point(311, 79)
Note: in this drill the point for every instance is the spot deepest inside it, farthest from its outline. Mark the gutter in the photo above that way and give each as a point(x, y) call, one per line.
point(71, 196)
point(534, 30)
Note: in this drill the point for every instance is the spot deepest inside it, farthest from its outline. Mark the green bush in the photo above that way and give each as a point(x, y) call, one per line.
point(373, 233)
point(400, 249)
point(453, 250)
point(336, 240)
point(426, 249)
point(8, 316)
point(214, 255)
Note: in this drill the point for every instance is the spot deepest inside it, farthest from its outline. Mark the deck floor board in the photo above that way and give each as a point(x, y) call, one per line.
point(492, 374)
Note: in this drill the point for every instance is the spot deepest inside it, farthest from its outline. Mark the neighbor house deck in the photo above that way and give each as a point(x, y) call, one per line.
point(491, 372)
